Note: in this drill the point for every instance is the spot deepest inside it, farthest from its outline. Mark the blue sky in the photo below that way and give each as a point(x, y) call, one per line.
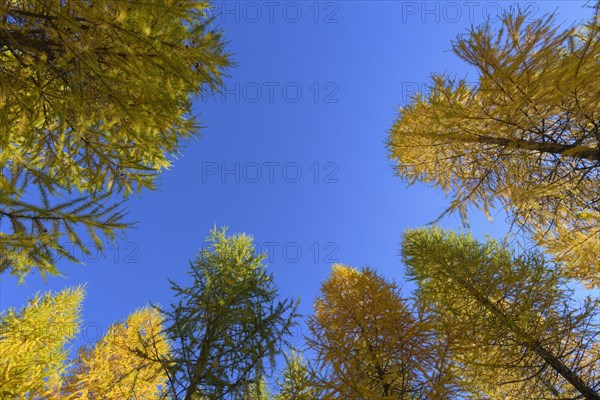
point(294, 153)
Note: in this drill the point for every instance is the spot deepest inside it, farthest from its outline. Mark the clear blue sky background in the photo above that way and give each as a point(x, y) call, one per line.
point(316, 89)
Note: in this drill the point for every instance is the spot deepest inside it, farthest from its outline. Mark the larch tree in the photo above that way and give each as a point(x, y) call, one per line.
point(121, 364)
point(95, 100)
point(33, 353)
point(517, 331)
point(35, 362)
point(297, 380)
point(367, 340)
point(227, 324)
point(524, 136)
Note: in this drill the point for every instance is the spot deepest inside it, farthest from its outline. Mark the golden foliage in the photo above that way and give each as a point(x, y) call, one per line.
point(525, 136)
point(35, 362)
point(366, 337)
point(516, 331)
point(95, 100)
point(123, 364)
point(33, 356)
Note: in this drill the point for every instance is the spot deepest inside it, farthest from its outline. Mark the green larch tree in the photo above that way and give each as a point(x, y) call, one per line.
point(227, 324)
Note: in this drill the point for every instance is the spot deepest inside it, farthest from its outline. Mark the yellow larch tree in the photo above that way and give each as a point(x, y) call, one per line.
point(517, 331)
point(368, 341)
point(33, 353)
point(95, 100)
point(35, 362)
point(122, 365)
point(524, 136)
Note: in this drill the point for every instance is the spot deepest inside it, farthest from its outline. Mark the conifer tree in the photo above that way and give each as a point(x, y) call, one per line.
point(517, 330)
point(367, 340)
point(297, 381)
point(95, 100)
point(525, 136)
point(33, 353)
point(35, 362)
point(228, 324)
point(120, 365)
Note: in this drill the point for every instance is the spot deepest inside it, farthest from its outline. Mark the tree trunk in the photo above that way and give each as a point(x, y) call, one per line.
point(582, 152)
point(554, 362)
